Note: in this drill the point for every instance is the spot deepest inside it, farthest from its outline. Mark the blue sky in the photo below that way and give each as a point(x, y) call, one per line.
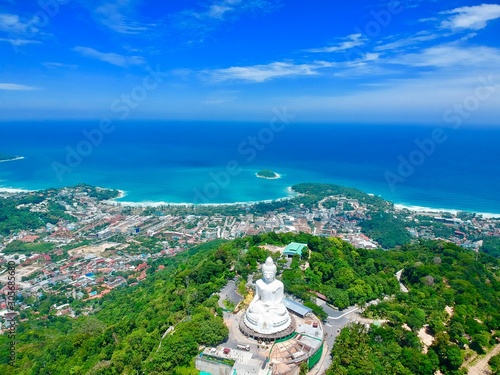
point(411, 61)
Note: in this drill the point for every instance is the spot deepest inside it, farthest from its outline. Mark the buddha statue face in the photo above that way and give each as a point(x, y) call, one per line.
point(269, 271)
point(268, 276)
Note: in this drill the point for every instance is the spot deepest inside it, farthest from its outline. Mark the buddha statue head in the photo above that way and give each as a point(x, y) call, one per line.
point(269, 270)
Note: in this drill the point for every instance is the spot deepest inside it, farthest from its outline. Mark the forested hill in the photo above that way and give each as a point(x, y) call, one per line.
point(454, 296)
point(318, 191)
point(123, 331)
point(16, 213)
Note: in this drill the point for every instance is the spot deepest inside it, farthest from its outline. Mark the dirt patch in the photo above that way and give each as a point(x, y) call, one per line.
point(20, 272)
point(449, 310)
point(425, 338)
point(97, 249)
point(274, 249)
point(361, 320)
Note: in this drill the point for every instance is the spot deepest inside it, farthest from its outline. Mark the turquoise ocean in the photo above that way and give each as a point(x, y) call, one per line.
point(214, 162)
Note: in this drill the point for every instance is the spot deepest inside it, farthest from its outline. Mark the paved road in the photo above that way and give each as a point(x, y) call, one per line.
point(229, 292)
point(336, 314)
point(232, 320)
point(335, 322)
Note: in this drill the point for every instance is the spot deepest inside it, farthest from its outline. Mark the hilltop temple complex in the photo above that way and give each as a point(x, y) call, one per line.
point(273, 335)
point(267, 317)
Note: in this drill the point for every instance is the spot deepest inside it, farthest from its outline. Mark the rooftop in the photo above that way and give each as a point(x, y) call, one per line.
point(296, 307)
point(294, 248)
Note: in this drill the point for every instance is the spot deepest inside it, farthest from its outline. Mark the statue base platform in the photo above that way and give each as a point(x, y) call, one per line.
point(249, 332)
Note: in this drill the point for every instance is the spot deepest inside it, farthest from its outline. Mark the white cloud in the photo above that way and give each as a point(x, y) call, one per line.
point(110, 57)
point(118, 17)
point(56, 65)
point(12, 23)
point(16, 87)
point(406, 42)
point(371, 56)
point(218, 11)
point(261, 73)
point(219, 8)
point(362, 61)
point(472, 17)
point(19, 42)
point(422, 100)
point(348, 42)
point(205, 19)
point(451, 55)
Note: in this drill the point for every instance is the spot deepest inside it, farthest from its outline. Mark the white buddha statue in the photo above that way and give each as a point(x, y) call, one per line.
point(267, 314)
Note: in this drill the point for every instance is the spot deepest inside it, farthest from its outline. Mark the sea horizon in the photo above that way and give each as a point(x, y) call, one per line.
point(215, 163)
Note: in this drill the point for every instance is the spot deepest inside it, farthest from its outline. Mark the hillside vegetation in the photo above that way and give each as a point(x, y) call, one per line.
point(453, 294)
point(16, 212)
point(123, 331)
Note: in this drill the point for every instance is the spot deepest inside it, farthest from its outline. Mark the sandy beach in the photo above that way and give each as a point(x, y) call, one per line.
point(16, 158)
point(269, 178)
point(121, 194)
point(158, 204)
point(13, 191)
point(438, 210)
point(289, 190)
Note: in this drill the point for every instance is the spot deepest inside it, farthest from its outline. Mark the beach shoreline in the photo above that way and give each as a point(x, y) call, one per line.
point(121, 194)
point(417, 209)
point(278, 176)
point(14, 190)
point(290, 194)
point(16, 158)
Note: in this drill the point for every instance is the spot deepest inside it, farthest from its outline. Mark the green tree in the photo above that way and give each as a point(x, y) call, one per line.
point(416, 319)
point(494, 363)
point(338, 298)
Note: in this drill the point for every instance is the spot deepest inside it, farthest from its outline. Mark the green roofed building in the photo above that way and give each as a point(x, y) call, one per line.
point(294, 248)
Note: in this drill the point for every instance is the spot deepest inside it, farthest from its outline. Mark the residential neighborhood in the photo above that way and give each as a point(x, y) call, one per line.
point(99, 245)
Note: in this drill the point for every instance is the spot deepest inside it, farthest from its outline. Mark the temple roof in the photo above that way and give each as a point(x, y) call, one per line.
point(296, 307)
point(294, 248)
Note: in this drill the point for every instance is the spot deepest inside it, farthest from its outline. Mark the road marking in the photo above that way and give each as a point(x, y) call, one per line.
point(344, 314)
point(329, 325)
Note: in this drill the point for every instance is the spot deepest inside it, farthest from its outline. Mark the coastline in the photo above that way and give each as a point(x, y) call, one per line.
point(400, 206)
point(278, 176)
point(290, 194)
point(121, 194)
point(14, 190)
point(14, 159)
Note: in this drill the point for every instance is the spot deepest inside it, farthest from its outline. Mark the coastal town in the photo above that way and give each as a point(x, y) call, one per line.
point(97, 245)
